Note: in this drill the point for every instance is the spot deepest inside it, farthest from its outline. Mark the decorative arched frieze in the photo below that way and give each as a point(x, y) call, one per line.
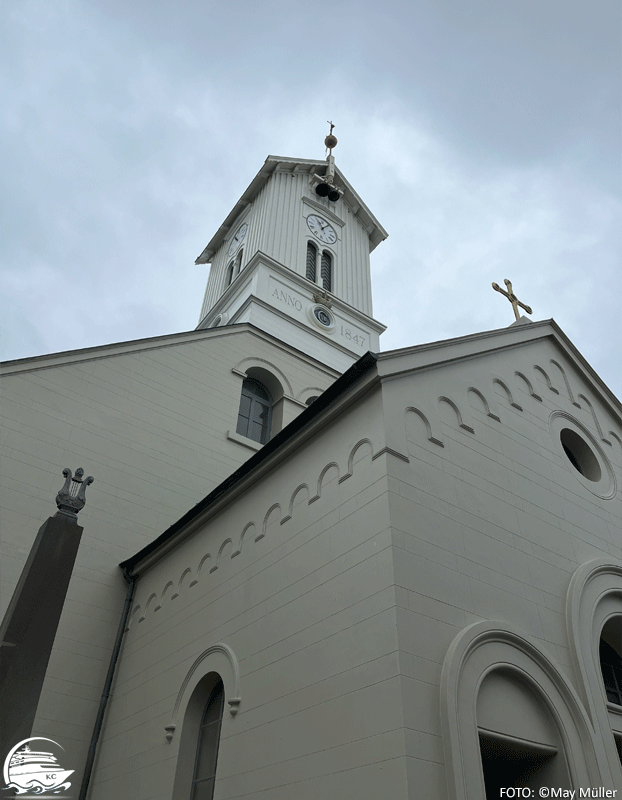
point(500, 382)
point(545, 375)
point(274, 507)
point(168, 586)
point(218, 658)
point(487, 406)
point(390, 452)
point(530, 388)
point(130, 620)
point(477, 651)
point(204, 564)
point(428, 428)
point(241, 369)
point(300, 488)
point(152, 599)
point(353, 452)
point(594, 596)
point(247, 532)
point(595, 418)
point(566, 382)
point(187, 573)
point(323, 473)
point(461, 423)
point(220, 552)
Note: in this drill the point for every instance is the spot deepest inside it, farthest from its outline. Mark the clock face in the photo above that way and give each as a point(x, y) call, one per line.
point(322, 229)
point(237, 239)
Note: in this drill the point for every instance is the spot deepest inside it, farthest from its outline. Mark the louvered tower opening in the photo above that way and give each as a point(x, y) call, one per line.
point(311, 261)
point(327, 271)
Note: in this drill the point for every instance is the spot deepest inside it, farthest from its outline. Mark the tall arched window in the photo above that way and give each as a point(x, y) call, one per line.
point(255, 414)
point(207, 747)
point(311, 261)
point(520, 742)
point(327, 271)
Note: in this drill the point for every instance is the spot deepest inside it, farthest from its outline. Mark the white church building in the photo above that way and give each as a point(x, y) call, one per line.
point(313, 570)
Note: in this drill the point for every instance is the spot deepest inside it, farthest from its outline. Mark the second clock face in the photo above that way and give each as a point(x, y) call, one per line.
point(322, 229)
point(237, 239)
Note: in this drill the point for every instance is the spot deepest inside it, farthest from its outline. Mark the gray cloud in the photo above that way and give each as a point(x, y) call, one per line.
point(485, 137)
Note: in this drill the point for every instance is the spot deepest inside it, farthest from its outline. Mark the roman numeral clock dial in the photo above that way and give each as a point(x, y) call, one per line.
point(323, 230)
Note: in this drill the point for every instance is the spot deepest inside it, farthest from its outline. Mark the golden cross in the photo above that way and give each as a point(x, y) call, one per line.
point(332, 125)
point(512, 298)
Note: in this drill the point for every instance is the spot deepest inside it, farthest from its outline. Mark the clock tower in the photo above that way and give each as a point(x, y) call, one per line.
point(292, 258)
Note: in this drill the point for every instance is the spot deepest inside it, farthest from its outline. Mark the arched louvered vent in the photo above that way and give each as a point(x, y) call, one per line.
point(326, 271)
point(311, 261)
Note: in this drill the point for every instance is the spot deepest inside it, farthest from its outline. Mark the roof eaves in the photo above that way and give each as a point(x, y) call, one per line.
point(349, 378)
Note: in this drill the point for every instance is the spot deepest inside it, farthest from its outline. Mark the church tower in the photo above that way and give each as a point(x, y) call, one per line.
point(292, 258)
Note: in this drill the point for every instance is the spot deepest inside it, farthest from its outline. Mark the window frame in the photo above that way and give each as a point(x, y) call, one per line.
point(255, 398)
point(210, 705)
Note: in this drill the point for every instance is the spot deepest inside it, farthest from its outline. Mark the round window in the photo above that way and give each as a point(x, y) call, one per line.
point(323, 316)
point(580, 454)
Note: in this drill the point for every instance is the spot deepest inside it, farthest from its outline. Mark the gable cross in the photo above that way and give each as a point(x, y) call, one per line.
point(512, 298)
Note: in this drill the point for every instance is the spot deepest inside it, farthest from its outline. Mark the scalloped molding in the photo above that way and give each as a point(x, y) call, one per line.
point(461, 406)
point(250, 531)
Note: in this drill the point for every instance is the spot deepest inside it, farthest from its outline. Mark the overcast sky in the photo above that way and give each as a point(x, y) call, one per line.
point(484, 135)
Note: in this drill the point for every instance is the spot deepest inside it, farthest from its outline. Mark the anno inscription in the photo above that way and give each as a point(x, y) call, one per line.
point(287, 298)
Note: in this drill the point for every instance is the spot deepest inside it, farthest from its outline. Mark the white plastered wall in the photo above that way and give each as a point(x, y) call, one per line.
point(295, 576)
point(149, 421)
point(490, 519)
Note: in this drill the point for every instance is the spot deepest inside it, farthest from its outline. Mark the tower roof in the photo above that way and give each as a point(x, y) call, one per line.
point(273, 164)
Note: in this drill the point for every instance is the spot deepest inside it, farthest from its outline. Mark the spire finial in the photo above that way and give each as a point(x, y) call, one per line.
point(330, 141)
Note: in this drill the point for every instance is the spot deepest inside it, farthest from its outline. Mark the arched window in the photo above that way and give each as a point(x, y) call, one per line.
point(311, 261)
point(229, 276)
point(327, 271)
point(238, 261)
point(610, 659)
point(520, 742)
point(255, 414)
point(207, 746)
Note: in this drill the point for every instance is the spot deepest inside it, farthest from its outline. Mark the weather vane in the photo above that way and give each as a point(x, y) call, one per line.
point(511, 297)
